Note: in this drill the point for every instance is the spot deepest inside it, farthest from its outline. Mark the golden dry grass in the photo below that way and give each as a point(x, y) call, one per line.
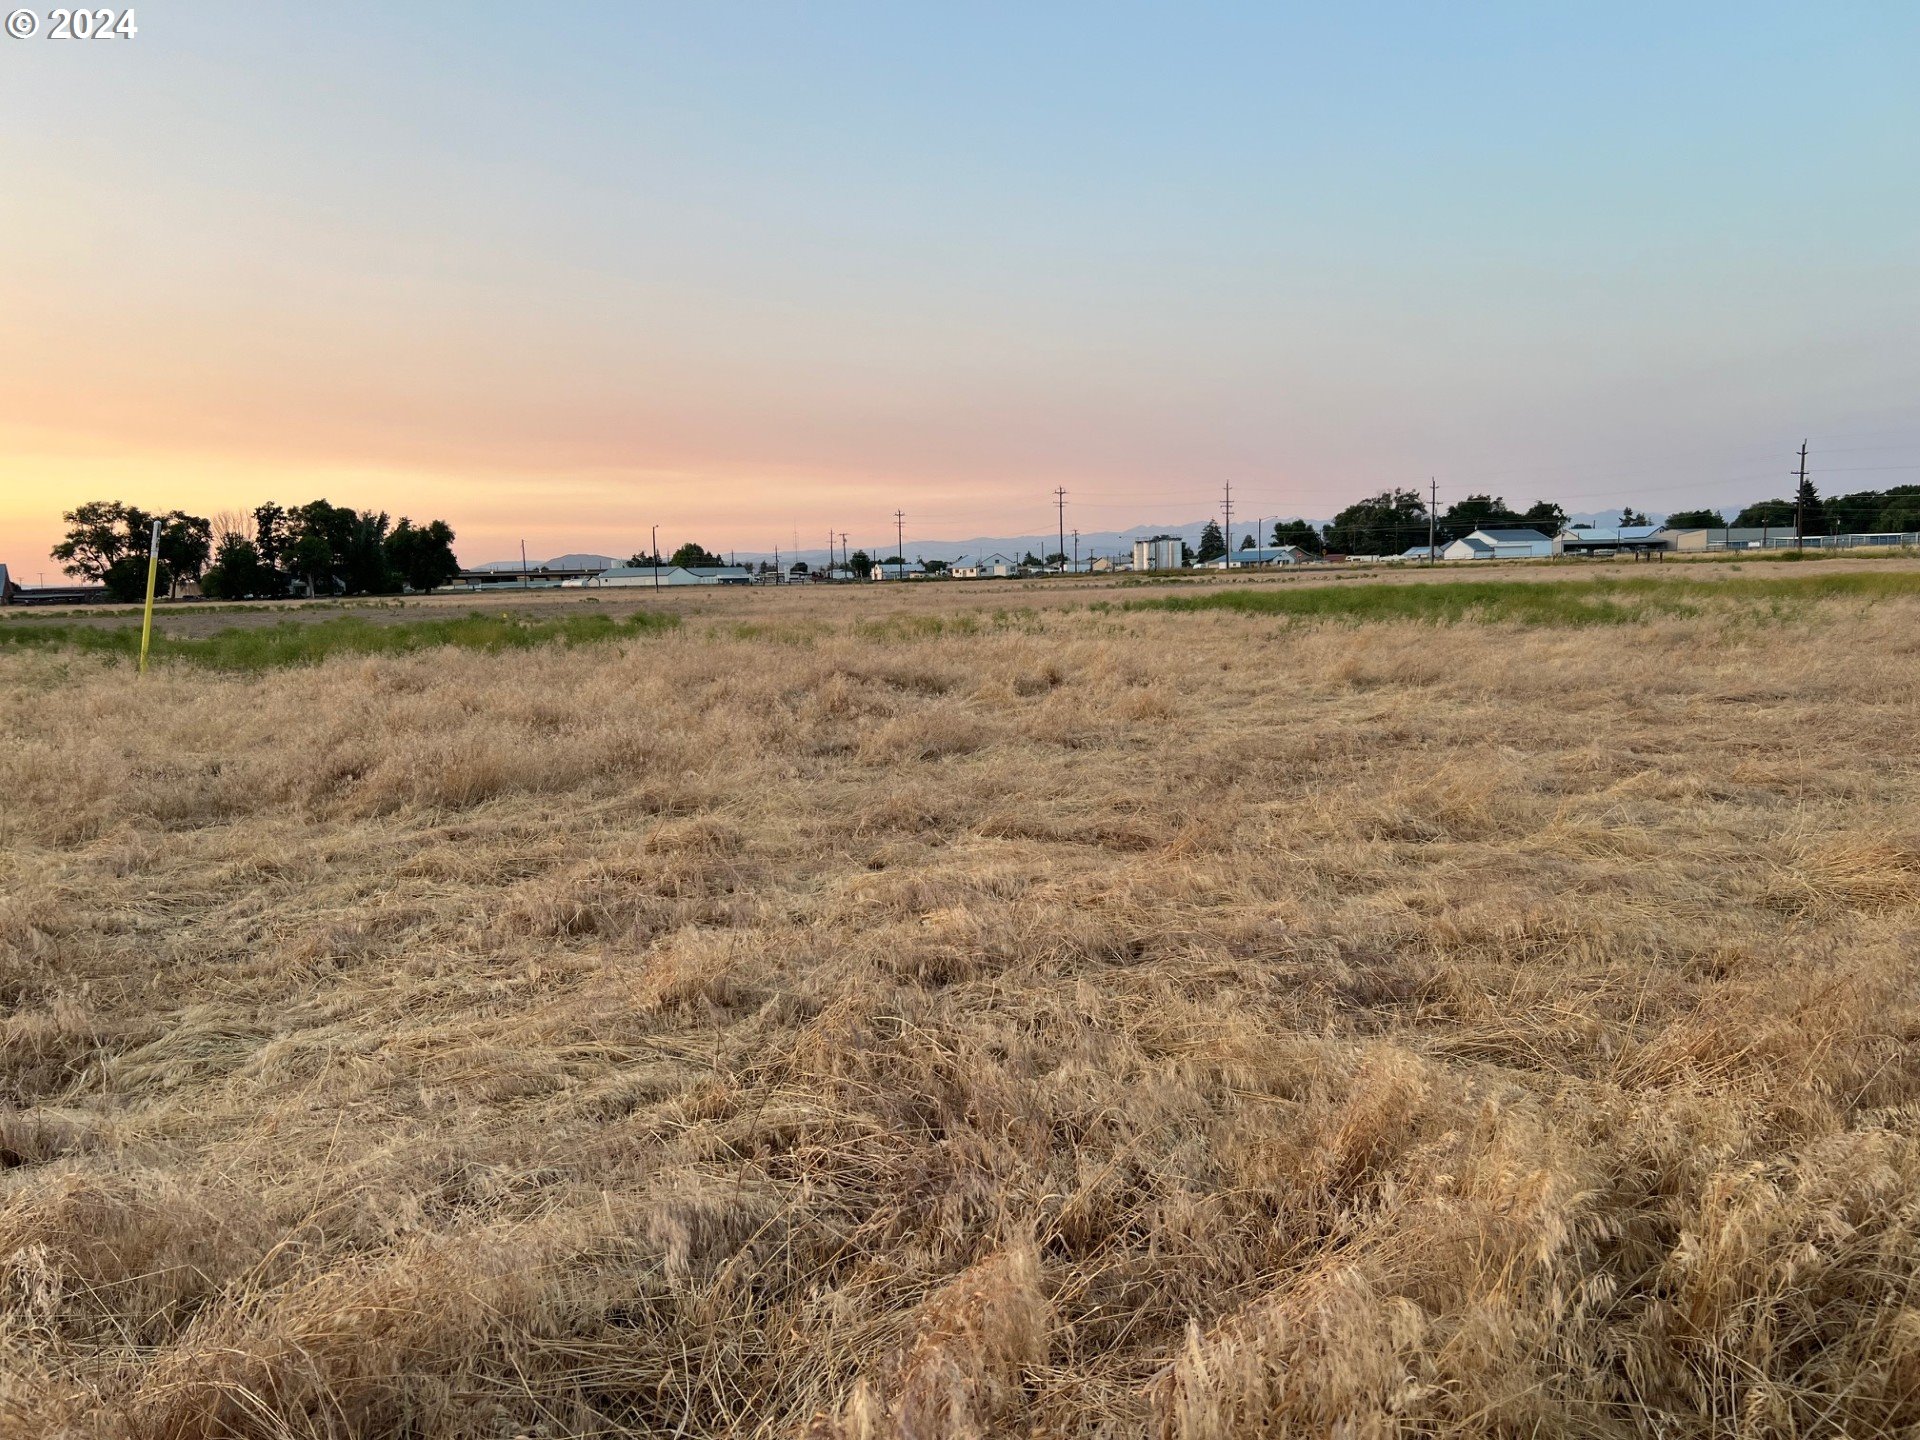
point(1192, 1025)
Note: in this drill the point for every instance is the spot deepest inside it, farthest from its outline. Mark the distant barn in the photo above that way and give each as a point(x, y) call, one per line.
point(1501, 544)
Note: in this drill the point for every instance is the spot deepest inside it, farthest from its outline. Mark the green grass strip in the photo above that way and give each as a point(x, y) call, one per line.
point(291, 642)
point(1545, 602)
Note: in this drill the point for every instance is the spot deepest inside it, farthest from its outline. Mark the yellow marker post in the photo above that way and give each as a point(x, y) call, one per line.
point(153, 574)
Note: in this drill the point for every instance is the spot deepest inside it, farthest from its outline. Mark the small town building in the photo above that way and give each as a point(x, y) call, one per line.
point(1501, 544)
point(629, 577)
point(986, 567)
point(1257, 555)
point(1613, 540)
point(1780, 537)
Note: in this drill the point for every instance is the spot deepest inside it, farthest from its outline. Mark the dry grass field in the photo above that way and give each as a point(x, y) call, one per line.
point(838, 1018)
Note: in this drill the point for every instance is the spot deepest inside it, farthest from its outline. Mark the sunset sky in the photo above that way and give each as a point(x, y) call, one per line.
point(563, 272)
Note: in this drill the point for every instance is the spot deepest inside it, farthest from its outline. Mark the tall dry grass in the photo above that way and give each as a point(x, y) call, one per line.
point(1181, 1024)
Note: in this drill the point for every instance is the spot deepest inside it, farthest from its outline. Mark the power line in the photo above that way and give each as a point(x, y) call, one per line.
point(1800, 502)
point(1060, 504)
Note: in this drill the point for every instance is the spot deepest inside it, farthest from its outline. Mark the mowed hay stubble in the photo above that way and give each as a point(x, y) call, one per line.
point(1192, 1024)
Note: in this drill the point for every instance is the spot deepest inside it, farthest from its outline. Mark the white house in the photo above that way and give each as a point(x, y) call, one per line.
point(627, 577)
point(987, 567)
point(1502, 544)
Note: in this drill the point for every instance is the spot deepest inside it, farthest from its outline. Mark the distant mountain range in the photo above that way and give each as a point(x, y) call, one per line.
point(559, 562)
point(1092, 543)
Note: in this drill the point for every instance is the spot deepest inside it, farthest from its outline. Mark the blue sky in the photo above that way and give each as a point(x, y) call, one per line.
point(740, 271)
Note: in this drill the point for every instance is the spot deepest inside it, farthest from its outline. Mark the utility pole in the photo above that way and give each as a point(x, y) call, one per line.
point(1226, 510)
point(523, 564)
point(900, 544)
point(1800, 502)
point(1076, 551)
point(656, 557)
point(844, 554)
point(1060, 504)
point(1433, 504)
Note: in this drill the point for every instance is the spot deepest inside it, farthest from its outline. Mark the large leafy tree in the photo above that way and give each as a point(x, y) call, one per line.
point(422, 555)
point(1297, 532)
point(692, 553)
point(1546, 517)
point(1695, 520)
point(1382, 524)
point(186, 544)
point(310, 558)
point(331, 523)
point(106, 541)
point(126, 578)
point(335, 547)
point(238, 572)
point(1212, 545)
point(317, 537)
point(1476, 512)
point(363, 566)
point(1902, 510)
point(272, 533)
point(1775, 513)
point(99, 534)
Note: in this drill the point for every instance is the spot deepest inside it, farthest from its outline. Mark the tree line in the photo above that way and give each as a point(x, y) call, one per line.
point(1864, 512)
point(272, 552)
point(1397, 520)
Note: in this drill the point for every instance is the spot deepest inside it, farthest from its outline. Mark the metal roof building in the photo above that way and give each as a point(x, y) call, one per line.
point(1591, 540)
point(1502, 544)
point(987, 567)
point(650, 576)
point(1256, 555)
